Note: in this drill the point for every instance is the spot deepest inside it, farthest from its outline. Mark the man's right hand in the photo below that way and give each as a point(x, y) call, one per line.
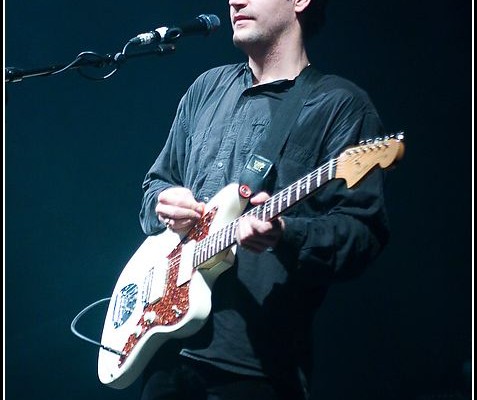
point(178, 210)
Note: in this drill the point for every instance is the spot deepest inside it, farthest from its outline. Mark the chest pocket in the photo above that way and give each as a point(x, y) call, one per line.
point(197, 146)
point(255, 134)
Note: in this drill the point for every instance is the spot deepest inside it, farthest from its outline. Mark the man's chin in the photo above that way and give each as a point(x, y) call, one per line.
point(243, 41)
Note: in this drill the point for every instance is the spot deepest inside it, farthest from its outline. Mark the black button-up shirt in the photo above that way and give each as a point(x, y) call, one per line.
point(260, 304)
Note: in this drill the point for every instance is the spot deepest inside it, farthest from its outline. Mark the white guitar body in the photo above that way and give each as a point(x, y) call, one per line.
point(165, 289)
point(160, 295)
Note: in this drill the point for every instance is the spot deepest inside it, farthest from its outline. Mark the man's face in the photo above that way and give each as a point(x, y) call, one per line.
point(260, 23)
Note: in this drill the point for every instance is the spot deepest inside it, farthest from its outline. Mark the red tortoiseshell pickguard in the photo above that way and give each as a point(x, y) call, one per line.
point(174, 305)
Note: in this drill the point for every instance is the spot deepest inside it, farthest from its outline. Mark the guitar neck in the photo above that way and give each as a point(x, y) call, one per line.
point(294, 193)
point(273, 207)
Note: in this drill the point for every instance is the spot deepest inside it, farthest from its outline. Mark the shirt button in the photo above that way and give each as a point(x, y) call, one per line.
point(220, 164)
point(206, 198)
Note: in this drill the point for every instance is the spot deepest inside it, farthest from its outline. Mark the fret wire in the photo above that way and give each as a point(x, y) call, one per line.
point(258, 212)
point(216, 242)
point(230, 233)
point(208, 246)
point(312, 183)
point(288, 201)
point(224, 236)
point(197, 254)
point(296, 190)
point(227, 234)
point(233, 231)
point(204, 245)
point(220, 240)
point(213, 243)
point(196, 261)
point(266, 210)
point(270, 208)
point(204, 252)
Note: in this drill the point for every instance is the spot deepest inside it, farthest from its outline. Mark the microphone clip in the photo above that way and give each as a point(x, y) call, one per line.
point(160, 35)
point(203, 24)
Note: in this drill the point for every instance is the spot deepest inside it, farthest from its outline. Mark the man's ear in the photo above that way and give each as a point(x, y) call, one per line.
point(300, 5)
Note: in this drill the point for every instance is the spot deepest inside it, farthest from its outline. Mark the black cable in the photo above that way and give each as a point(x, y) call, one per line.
point(80, 314)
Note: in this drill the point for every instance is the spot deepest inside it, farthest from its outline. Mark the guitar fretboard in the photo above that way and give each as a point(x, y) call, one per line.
point(274, 206)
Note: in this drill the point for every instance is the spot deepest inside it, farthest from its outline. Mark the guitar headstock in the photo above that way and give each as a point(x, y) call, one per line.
point(354, 163)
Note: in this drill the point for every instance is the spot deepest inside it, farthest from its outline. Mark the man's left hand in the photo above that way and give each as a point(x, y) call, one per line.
point(256, 235)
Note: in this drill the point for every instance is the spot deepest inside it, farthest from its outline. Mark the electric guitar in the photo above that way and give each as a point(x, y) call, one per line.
point(164, 291)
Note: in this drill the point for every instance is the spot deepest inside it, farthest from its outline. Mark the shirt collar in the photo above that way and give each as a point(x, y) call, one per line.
point(278, 84)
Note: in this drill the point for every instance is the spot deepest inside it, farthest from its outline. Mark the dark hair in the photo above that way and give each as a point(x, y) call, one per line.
point(313, 17)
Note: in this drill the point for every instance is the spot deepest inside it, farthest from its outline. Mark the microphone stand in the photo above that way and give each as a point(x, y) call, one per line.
point(14, 74)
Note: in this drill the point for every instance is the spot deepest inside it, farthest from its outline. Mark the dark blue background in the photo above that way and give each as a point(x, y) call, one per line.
point(76, 152)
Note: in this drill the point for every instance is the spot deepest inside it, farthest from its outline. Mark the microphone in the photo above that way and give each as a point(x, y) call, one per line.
point(203, 24)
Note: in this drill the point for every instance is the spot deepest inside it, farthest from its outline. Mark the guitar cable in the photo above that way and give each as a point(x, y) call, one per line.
point(96, 343)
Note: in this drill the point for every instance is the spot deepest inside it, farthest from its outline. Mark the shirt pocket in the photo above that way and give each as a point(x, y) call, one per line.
point(297, 162)
point(198, 145)
point(253, 136)
point(299, 155)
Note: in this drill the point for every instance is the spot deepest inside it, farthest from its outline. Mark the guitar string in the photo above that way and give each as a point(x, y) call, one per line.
point(210, 242)
point(276, 199)
point(204, 244)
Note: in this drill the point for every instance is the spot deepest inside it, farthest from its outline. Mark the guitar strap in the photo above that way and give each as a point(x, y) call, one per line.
point(268, 152)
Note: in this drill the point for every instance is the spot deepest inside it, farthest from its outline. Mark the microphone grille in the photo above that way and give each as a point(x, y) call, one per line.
point(212, 21)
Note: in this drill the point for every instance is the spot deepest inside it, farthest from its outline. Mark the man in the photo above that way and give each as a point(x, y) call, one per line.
point(256, 343)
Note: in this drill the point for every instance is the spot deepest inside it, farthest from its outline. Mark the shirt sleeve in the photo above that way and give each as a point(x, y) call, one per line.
point(166, 172)
point(338, 231)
